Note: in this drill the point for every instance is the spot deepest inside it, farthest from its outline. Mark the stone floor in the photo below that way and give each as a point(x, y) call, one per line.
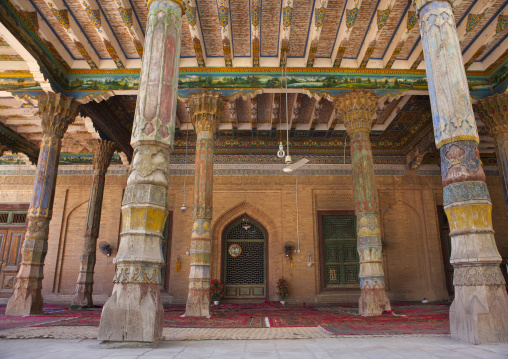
point(412, 347)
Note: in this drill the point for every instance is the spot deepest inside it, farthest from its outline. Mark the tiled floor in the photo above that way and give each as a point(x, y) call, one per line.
point(364, 347)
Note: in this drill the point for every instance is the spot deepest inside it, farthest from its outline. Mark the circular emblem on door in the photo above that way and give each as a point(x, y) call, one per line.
point(234, 250)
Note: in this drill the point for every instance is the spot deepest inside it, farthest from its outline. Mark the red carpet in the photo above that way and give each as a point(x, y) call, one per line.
point(409, 318)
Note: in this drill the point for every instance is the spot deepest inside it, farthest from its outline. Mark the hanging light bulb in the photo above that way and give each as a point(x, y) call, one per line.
point(281, 152)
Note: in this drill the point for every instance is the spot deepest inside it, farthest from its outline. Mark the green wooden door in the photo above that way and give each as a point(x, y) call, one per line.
point(341, 262)
point(245, 261)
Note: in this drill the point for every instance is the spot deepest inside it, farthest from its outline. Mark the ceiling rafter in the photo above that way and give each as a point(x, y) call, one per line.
point(285, 30)
point(345, 30)
point(410, 19)
point(126, 14)
point(225, 23)
point(195, 30)
point(18, 143)
point(318, 17)
point(255, 16)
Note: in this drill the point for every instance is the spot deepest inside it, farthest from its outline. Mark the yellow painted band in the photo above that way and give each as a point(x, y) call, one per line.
point(143, 218)
point(470, 216)
point(457, 138)
point(178, 2)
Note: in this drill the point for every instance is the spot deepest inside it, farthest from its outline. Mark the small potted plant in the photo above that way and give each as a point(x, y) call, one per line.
point(216, 291)
point(282, 289)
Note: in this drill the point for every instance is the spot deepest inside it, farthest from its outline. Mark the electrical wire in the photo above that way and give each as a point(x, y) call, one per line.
point(185, 175)
point(287, 115)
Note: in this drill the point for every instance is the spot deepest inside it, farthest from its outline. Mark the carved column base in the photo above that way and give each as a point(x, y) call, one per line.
point(478, 314)
point(83, 296)
point(25, 302)
point(133, 313)
point(373, 301)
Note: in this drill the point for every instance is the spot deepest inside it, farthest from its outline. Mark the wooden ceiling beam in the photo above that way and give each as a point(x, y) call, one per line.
point(318, 16)
point(345, 30)
point(285, 30)
point(225, 23)
point(406, 28)
point(196, 33)
point(255, 28)
point(126, 14)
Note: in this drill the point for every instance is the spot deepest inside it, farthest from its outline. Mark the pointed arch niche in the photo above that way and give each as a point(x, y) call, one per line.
point(272, 241)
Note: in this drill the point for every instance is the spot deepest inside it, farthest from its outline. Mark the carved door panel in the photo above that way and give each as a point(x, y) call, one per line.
point(12, 239)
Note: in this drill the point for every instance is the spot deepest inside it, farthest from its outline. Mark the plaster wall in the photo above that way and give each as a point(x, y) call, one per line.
point(408, 216)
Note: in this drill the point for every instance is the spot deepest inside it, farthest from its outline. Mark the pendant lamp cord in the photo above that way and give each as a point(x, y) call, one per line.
point(287, 115)
point(185, 176)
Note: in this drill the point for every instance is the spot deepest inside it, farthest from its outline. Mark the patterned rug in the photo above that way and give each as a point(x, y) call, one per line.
point(406, 318)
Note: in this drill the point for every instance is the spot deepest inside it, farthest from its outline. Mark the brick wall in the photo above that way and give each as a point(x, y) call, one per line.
point(408, 216)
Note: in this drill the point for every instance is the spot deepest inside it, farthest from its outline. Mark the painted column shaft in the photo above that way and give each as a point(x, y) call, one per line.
point(479, 312)
point(501, 141)
point(102, 153)
point(357, 109)
point(57, 112)
point(206, 109)
point(134, 311)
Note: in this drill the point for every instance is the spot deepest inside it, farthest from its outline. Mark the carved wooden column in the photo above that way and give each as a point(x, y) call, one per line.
point(358, 108)
point(102, 153)
point(479, 312)
point(134, 311)
point(494, 114)
point(206, 110)
point(56, 112)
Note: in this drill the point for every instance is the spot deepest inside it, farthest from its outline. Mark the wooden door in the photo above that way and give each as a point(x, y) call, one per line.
point(11, 240)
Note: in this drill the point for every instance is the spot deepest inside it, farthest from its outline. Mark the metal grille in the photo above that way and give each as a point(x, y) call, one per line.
point(19, 218)
point(249, 266)
point(341, 259)
point(4, 217)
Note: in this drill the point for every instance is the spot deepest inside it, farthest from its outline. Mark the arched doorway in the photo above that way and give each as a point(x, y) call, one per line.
point(245, 261)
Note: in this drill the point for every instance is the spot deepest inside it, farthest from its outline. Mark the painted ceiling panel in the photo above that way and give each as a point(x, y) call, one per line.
point(57, 27)
point(209, 17)
point(270, 24)
point(141, 11)
point(360, 28)
point(302, 12)
point(326, 111)
point(264, 107)
point(477, 22)
point(306, 108)
point(187, 47)
point(240, 27)
point(119, 28)
point(330, 25)
point(389, 28)
point(89, 29)
point(243, 110)
point(500, 36)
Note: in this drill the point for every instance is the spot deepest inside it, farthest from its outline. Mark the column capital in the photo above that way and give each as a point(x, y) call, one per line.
point(57, 113)
point(206, 110)
point(420, 4)
point(102, 152)
point(494, 113)
point(357, 109)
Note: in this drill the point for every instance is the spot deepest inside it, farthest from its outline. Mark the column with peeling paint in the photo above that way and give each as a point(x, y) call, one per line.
point(494, 114)
point(102, 154)
point(357, 109)
point(479, 312)
point(206, 110)
point(134, 311)
point(56, 112)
